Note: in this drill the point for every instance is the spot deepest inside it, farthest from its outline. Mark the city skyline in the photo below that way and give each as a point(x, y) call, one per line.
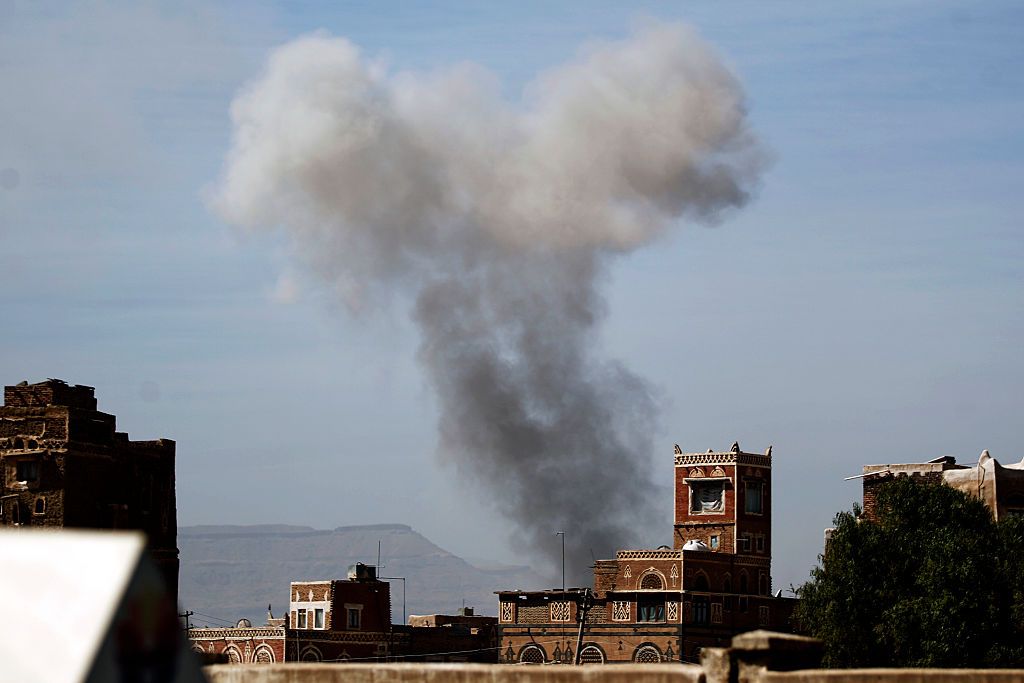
point(864, 306)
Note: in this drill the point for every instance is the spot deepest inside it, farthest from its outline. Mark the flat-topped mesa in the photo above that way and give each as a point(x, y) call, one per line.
point(65, 465)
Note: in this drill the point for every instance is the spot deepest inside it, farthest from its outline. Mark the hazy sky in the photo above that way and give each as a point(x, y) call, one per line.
point(865, 307)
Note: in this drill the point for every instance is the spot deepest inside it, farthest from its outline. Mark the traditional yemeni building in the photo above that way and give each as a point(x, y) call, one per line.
point(348, 620)
point(999, 487)
point(66, 465)
point(666, 604)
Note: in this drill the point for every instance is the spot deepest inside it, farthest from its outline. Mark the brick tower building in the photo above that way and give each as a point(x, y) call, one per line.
point(65, 465)
point(666, 604)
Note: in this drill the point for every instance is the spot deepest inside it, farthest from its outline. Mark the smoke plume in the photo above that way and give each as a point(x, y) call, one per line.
point(500, 221)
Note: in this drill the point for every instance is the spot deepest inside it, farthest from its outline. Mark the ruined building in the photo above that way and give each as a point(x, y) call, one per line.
point(999, 487)
point(65, 465)
point(666, 604)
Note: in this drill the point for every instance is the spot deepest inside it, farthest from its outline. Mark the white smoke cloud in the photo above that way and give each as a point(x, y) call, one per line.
point(499, 221)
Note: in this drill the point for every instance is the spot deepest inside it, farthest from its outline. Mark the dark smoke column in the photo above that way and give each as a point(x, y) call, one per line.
point(500, 222)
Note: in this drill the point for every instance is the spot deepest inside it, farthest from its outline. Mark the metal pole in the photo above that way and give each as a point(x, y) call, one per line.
point(581, 614)
point(562, 534)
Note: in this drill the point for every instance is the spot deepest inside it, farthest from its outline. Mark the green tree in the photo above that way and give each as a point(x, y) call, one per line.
point(932, 581)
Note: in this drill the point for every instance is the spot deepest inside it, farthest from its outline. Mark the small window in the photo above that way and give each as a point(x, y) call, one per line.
point(302, 618)
point(28, 470)
point(760, 544)
point(40, 507)
point(353, 617)
point(753, 495)
point(650, 608)
point(714, 542)
point(763, 588)
point(707, 497)
point(700, 611)
point(318, 618)
point(743, 583)
point(744, 544)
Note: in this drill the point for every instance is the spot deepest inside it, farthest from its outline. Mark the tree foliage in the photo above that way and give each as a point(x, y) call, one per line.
point(932, 581)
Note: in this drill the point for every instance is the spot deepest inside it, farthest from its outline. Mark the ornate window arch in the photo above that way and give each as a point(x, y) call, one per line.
point(647, 653)
point(744, 582)
point(311, 654)
point(592, 654)
point(652, 580)
point(727, 583)
point(532, 654)
point(701, 581)
point(264, 655)
point(233, 654)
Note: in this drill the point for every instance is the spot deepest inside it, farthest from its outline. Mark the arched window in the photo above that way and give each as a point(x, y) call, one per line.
point(263, 655)
point(743, 583)
point(311, 654)
point(532, 654)
point(727, 584)
point(591, 654)
point(19, 444)
point(763, 585)
point(233, 655)
point(647, 654)
point(652, 582)
point(700, 582)
point(40, 508)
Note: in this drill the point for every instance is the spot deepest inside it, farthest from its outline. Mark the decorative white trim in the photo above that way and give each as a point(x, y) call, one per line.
point(233, 649)
point(560, 610)
point(704, 459)
point(263, 648)
point(648, 555)
point(648, 572)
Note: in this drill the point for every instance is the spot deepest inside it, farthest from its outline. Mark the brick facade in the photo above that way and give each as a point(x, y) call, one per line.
point(348, 620)
point(64, 464)
point(668, 603)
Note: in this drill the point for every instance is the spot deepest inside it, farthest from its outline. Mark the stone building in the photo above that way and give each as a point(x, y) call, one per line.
point(999, 487)
point(347, 620)
point(666, 604)
point(65, 465)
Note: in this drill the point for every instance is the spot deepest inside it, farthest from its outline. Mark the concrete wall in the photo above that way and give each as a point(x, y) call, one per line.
point(622, 673)
point(755, 657)
point(453, 673)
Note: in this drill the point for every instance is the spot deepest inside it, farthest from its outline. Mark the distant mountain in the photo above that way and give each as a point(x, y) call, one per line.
point(231, 572)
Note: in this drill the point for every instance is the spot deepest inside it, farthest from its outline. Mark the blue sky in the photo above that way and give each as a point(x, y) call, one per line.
point(866, 306)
